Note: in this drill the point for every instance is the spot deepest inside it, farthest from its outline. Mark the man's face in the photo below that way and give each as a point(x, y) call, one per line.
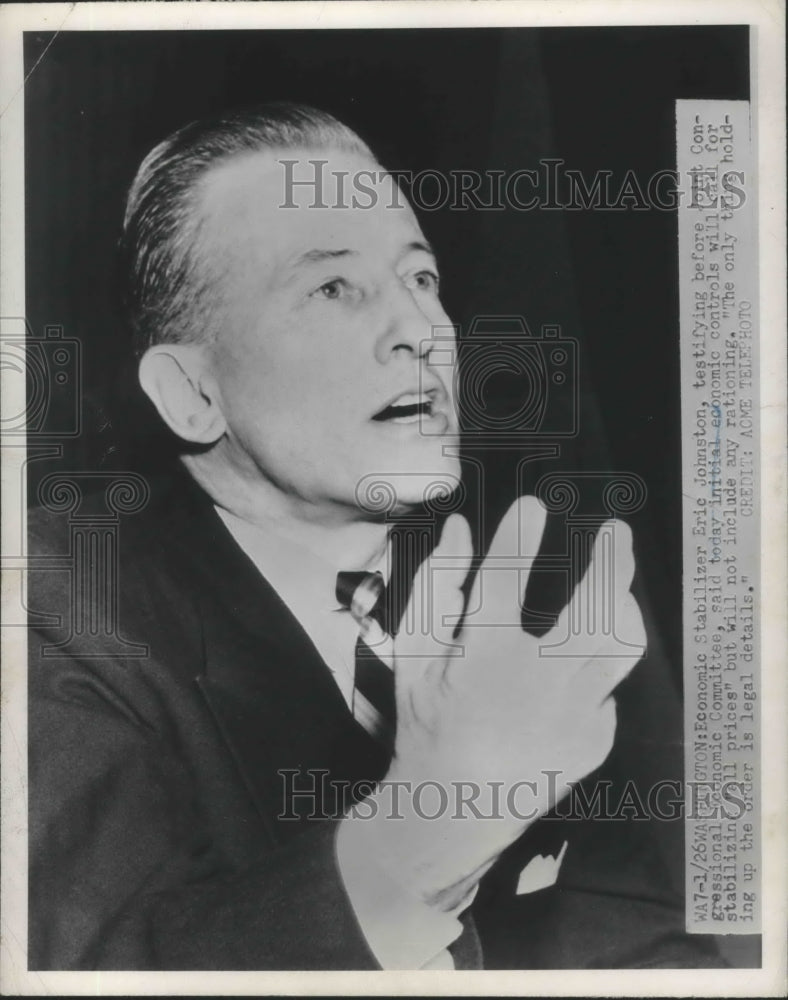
point(324, 363)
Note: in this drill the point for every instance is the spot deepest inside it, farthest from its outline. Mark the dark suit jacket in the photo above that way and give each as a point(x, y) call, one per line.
point(155, 789)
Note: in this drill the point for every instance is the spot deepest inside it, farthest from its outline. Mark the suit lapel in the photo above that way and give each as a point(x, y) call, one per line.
point(293, 738)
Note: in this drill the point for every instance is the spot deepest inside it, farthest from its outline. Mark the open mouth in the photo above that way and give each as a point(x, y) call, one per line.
point(408, 408)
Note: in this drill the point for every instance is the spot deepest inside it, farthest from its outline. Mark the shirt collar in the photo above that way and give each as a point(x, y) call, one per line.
point(302, 577)
point(306, 582)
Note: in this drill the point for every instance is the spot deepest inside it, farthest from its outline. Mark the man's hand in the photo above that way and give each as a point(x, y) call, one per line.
point(489, 714)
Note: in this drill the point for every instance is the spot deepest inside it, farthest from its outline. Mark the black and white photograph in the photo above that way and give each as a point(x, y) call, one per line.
point(393, 407)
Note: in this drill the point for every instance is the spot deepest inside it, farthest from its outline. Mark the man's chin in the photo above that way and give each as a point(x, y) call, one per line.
point(400, 489)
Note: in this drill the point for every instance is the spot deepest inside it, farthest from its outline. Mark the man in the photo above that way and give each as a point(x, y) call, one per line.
point(189, 807)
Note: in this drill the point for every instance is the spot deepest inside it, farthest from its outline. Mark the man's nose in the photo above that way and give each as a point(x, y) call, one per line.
point(408, 330)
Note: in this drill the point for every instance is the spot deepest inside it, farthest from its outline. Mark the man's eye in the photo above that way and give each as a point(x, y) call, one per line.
point(331, 289)
point(424, 281)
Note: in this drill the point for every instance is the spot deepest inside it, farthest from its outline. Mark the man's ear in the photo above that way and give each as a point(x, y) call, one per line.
point(175, 378)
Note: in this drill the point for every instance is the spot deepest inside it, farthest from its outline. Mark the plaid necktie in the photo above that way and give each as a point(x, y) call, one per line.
point(374, 703)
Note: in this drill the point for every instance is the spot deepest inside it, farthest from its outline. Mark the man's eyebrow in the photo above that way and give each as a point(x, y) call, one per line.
point(317, 256)
point(420, 245)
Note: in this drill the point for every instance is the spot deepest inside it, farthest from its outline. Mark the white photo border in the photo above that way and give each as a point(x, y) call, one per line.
point(767, 20)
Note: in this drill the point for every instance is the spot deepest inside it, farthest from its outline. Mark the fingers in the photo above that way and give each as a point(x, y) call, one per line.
point(501, 581)
point(436, 599)
point(520, 531)
point(593, 607)
point(597, 681)
point(601, 630)
point(605, 732)
point(451, 562)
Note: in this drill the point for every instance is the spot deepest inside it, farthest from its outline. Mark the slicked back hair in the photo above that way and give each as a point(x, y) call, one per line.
point(169, 292)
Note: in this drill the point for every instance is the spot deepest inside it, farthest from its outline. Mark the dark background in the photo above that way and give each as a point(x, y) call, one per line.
point(484, 99)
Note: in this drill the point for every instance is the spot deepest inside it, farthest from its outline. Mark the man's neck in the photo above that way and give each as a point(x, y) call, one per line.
point(340, 537)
